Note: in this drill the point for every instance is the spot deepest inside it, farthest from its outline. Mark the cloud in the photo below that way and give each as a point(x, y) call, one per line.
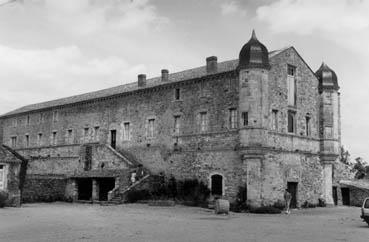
point(345, 22)
point(232, 8)
point(44, 74)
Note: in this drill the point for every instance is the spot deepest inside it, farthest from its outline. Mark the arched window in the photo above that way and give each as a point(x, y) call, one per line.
point(217, 184)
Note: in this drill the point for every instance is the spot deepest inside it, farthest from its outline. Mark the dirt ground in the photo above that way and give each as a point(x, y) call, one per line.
point(139, 222)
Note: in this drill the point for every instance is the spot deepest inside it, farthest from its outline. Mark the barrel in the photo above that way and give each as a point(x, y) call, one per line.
point(221, 206)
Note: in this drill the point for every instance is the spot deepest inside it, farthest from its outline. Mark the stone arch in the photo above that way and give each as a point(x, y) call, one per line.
point(217, 184)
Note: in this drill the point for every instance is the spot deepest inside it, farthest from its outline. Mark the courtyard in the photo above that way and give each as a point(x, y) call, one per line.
point(140, 222)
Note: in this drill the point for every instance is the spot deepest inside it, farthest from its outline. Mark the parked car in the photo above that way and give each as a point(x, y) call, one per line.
point(365, 210)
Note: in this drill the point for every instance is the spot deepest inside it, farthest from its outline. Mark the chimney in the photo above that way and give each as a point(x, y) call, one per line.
point(141, 80)
point(211, 64)
point(164, 75)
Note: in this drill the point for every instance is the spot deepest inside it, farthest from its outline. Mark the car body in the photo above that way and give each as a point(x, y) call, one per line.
point(365, 210)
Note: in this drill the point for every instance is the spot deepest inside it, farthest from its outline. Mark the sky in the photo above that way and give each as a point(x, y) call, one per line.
point(51, 48)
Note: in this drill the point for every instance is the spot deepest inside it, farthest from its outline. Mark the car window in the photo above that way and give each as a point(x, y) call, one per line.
point(366, 205)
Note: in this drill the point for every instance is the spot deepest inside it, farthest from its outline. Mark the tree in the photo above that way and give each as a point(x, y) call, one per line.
point(362, 168)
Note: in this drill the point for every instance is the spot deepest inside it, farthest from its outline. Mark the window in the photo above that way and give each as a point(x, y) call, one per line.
point(2, 177)
point(291, 122)
point(328, 132)
point(96, 133)
point(85, 134)
point(41, 118)
point(151, 128)
point(14, 122)
point(27, 140)
point(55, 116)
point(14, 141)
point(307, 125)
point(177, 94)
point(203, 121)
point(54, 138)
point(127, 131)
point(275, 119)
point(28, 120)
point(232, 118)
point(245, 119)
point(39, 139)
point(291, 85)
point(202, 89)
point(70, 136)
point(177, 124)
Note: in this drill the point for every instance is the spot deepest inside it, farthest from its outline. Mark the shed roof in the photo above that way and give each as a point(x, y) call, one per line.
point(362, 184)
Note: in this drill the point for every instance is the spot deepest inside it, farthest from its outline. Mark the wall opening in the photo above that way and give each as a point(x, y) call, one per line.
point(217, 185)
point(292, 189)
point(113, 138)
point(345, 196)
point(84, 189)
point(335, 195)
point(105, 185)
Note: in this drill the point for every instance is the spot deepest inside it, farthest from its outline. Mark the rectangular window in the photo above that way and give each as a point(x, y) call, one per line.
point(203, 121)
point(113, 138)
point(14, 141)
point(85, 134)
point(151, 128)
point(232, 118)
point(54, 138)
point(2, 177)
point(291, 85)
point(27, 140)
point(28, 120)
point(291, 122)
point(41, 118)
point(127, 131)
point(275, 119)
point(55, 116)
point(70, 136)
point(177, 94)
point(96, 133)
point(14, 122)
point(307, 125)
point(39, 139)
point(245, 119)
point(177, 124)
point(202, 89)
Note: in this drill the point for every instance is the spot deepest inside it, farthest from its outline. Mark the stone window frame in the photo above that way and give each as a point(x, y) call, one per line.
point(294, 121)
point(127, 137)
point(70, 136)
point(202, 127)
point(13, 141)
point(202, 89)
point(308, 124)
point(55, 116)
point(39, 138)
point(154, 128)
point(245, 118)
point(96, 132)
point(4, 171)
point(294, 84)
point(232, 118)
point(27, 140)
point(177, 125)
point(177, 95)
point(275, 120)
point(14, 122)
point(223, 181)
point(54, 137)
point(86, 135)
point(28, 120)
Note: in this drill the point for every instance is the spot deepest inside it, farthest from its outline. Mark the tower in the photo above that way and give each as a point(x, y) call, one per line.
point(253, 71)
point(329, 125)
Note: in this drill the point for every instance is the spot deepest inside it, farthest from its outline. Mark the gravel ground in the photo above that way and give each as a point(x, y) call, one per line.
point(139, 222)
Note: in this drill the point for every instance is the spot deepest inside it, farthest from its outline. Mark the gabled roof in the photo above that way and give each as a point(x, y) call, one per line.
point(189, 74)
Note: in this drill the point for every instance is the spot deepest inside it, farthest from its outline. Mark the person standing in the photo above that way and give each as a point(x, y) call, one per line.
point(287, 198)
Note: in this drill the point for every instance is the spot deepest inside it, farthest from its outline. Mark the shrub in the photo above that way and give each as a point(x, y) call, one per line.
point(3, 197)
point(192, 191)
point(321, 202)
point(280, 204)
point(266, 210)
point(137, 195)
point(307, 204)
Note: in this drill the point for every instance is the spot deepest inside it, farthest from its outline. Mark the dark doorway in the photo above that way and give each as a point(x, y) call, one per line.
point(113, 138)
point(292, 188)
point(84, 189)
point(105, 185)
point(217, 185)
point(345, 196)
point(335, 196)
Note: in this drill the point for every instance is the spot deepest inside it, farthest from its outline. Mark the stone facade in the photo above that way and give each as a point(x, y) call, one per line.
point(218, 119)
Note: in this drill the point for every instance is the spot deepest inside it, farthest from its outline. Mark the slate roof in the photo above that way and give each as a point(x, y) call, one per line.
point(189, 74)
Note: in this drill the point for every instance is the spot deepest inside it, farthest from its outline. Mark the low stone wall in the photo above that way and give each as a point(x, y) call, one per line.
point(44, 188)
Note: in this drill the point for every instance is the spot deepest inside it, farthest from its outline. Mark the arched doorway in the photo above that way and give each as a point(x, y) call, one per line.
point(217, 184)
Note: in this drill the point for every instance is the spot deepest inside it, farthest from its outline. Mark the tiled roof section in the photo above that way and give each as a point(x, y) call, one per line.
point(156, 81)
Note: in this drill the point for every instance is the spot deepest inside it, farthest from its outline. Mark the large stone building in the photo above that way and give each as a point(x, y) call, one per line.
point(264, 121)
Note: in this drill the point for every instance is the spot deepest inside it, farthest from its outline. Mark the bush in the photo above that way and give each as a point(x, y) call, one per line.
point(3, 197)
point(137, 195)
point(266, 210)
point(192, 192)
point(321, 202)
point(280, 204)
point(307, 204)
